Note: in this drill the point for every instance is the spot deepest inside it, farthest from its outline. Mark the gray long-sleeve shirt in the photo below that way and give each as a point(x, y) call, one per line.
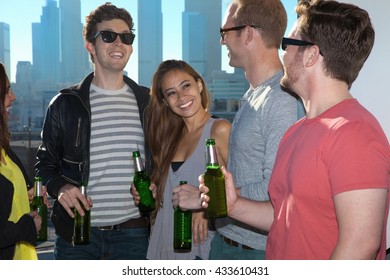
point(265, 113)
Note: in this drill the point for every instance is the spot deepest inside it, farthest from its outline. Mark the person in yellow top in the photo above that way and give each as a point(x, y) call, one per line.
point(18, 226)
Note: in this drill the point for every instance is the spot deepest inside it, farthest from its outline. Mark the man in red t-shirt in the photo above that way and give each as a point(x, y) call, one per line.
point(329, 188)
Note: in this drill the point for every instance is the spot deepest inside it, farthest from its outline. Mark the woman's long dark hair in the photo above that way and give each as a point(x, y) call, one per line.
point(164, 127)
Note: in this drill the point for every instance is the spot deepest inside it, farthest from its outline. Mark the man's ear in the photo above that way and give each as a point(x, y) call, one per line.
point(90, 47)
point(311, 56)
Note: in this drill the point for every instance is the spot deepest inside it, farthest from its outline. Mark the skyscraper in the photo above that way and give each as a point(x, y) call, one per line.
point(23, 79)
point(74, 57)
point(23, 72)
point(149, 38)
point(46, 44)
point(195, 47)
point(5, 52)
point(204, 35)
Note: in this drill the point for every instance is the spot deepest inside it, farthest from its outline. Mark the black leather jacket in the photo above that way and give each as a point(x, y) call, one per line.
point(65, 150)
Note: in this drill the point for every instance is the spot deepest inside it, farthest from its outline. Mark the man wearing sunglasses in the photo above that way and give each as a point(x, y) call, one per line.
point(330, 187)
point(252, 31)
point(89, 133)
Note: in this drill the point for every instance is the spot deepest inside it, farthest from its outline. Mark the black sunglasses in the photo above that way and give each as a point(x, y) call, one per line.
point(295, 42)
point(236, 28)
point(110, 36)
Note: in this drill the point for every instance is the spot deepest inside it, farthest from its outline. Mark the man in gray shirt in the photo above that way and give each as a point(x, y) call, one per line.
point(252, 32)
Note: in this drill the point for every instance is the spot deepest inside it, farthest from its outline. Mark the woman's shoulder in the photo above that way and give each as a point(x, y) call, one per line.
point(222, 123)
point(220, 128)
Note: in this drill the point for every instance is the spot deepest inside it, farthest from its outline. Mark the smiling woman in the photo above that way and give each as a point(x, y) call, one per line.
point(178, 121)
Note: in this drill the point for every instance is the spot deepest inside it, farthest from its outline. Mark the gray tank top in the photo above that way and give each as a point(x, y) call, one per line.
point(161, 239)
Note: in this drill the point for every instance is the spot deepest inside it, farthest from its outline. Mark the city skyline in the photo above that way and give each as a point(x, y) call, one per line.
point(371, 79)
point(21, 28)
point(21, 48)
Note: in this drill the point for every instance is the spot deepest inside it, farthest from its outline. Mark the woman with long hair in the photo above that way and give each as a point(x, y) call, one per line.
point(178, 123)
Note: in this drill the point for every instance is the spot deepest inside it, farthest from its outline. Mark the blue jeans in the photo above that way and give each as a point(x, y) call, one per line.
point(220, 250)
point(125, 244)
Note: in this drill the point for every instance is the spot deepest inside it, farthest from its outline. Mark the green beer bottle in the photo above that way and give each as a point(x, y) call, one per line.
point(39, 205)
point(82, 224)
point(182, 229)
point(215, 181)
point(141, 182)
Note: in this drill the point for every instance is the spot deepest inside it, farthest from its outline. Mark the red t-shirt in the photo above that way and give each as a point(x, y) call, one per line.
point(343, 149)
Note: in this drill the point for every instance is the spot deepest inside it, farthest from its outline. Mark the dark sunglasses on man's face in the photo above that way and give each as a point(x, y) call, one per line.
point(295, 42)
point(110, 36)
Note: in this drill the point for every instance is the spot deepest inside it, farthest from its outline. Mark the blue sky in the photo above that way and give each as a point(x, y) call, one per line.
point(20, 20)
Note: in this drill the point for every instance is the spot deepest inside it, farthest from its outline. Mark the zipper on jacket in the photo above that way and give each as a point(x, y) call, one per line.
point(80, 166)
point(78, 132)
point(70, 180)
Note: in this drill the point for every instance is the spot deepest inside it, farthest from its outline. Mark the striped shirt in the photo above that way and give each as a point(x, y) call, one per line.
point(116, 132)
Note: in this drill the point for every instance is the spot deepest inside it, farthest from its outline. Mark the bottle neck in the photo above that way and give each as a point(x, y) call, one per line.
point(83, 190)
point(212, 166)
point(211, 157)
point(138, 166)
point(38, 188)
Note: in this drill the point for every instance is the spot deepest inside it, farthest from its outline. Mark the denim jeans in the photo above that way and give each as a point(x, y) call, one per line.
point(124, 244)
point(220, 250)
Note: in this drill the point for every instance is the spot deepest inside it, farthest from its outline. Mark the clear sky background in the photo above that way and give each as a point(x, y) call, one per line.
point(370, 88)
